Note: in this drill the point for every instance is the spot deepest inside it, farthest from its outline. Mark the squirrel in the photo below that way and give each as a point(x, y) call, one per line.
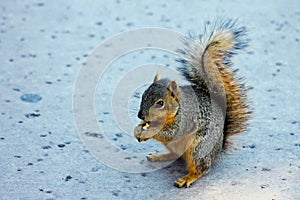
point(194, 121)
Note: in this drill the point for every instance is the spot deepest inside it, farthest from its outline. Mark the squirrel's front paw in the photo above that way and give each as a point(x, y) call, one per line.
point(140, 133)
point(143, 132)
point(160, 157)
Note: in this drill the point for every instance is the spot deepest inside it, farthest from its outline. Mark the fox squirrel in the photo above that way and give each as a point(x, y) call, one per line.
point(194, 121)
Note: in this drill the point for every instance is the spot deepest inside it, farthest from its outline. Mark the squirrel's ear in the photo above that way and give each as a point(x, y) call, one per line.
point(173, 88)
point(156, 78)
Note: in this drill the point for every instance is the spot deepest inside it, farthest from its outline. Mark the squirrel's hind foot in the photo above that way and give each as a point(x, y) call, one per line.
point(161, 157)
point(187, 180)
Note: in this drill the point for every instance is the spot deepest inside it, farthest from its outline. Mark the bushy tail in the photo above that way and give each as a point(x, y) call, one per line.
point(207, 63)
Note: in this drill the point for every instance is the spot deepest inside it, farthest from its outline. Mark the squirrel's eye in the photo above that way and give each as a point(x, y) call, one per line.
point(160, 103)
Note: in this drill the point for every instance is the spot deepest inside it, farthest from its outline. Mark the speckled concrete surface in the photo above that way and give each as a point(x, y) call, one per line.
point(42, 47)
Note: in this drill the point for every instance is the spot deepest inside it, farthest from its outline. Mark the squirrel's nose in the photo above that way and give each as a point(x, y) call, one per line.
point(141, 115)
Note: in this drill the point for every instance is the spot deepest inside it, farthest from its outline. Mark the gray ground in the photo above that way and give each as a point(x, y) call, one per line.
point(42, 47)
